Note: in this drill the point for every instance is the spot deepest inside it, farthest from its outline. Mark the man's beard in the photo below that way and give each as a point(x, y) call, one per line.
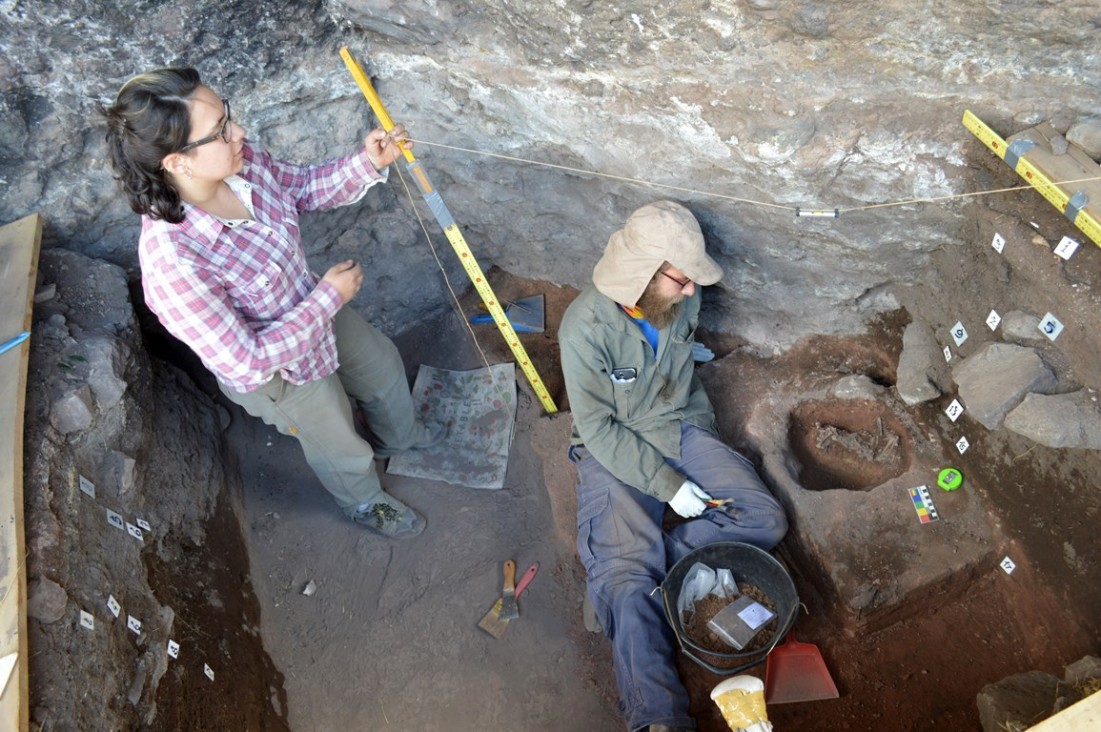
point(657, 309)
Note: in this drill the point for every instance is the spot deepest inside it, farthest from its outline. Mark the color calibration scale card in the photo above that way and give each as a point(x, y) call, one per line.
point(923, 504)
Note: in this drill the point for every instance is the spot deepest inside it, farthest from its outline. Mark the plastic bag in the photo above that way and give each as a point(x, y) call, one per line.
point(701, 581)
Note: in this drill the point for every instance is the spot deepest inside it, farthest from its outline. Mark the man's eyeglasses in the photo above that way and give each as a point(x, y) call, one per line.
point(681, 283)
point(224, 133)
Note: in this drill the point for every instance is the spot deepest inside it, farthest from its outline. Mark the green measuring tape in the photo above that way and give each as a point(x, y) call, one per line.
point(455, 236)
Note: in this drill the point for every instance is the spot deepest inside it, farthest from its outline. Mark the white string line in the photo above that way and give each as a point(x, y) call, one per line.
point(623, 178)
point(447, 281)
point(712, 194)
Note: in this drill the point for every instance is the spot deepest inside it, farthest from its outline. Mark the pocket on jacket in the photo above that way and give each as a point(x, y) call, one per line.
point(622, 395)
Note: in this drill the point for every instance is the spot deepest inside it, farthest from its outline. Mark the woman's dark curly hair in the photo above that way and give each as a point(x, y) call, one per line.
point(149, 120)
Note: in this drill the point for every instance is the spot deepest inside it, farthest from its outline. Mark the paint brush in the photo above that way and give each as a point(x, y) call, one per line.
point(508, 592)
point(492, 622)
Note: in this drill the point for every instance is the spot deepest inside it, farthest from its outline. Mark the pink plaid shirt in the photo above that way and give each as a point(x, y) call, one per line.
point(240, 293)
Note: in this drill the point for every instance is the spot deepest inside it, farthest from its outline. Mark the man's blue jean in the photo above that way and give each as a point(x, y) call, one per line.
point(626, 555)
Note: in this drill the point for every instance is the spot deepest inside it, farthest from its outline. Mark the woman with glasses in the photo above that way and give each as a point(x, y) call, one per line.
point(224, 270)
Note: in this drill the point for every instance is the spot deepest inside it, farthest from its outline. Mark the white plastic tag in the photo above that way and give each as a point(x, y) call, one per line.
point(1051, 327)
point(114, 519)
point(1066, 248)
point(959, 333)
point(87, 486)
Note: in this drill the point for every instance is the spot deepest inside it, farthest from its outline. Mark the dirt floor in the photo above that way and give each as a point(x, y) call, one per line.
point(389, 640)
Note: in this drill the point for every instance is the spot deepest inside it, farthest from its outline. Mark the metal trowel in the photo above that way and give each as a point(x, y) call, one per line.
point(525, 314)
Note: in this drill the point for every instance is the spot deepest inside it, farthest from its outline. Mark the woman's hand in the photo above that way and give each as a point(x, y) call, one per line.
point(385, 147)
point(346, 277)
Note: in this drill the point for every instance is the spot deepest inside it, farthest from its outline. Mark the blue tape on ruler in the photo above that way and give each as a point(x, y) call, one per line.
point(1016, 150)
point(1075, 205)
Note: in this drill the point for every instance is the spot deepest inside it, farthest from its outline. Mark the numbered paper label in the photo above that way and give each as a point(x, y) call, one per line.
point(144, 525)
point(87, 486)
point(955, 409)
point(993, 319)
point(208, 671)
point(1050, 326)
point(115, 520)
point(113, 605)
point(998, 243)
point(173, 649)
point(1067, 247)
point(948, 353)
point(134, 531)
point(133, 624)
point(87, 621)
point(962, 445)
point(959, 334)
point(1008, 565)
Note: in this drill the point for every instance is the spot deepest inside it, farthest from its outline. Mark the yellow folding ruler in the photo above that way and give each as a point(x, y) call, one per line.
point(1073, 205)
point(458, 243)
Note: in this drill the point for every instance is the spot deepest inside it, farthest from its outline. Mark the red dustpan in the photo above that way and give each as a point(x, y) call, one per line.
point(797, 673)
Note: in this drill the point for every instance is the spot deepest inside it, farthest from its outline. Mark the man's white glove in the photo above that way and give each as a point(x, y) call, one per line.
point(701, 353)
point(689, 501)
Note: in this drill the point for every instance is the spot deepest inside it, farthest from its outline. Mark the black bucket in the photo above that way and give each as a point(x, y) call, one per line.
point(748, 564)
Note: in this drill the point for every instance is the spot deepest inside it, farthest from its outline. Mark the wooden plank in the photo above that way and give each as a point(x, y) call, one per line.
point(1085, 716)
point(1073, 165)
point(19, 244)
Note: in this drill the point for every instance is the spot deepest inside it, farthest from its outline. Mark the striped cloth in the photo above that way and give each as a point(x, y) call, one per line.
point(239, 292)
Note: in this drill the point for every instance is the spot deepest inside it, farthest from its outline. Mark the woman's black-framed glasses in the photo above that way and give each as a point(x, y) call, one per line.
point(224, 133)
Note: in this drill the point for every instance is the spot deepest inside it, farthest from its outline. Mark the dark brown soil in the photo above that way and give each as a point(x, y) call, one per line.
point(187, 701)
point(696, 626)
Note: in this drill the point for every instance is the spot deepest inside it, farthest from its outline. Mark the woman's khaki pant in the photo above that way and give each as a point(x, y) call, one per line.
point(319, 415)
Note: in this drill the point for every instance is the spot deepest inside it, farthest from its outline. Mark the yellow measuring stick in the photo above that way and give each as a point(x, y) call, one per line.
point(458, 243)
point(1073, 206)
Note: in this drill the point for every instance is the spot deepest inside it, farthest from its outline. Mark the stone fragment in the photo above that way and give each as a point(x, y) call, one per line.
point(1088, 137)
point(997, 377)
point(1058, 420)
point(73, 410)
point(856, 386)
point(46, 600)
point(1022, 700)
point(107, 357)
point(1019, 326)
point(45, 294)
point(916, 364)
point(121, 471)
point(1084, 669)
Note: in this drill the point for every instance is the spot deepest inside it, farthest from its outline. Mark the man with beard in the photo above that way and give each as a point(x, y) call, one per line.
point(644, 436)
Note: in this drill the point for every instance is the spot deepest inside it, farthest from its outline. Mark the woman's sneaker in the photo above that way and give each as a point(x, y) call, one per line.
point(390, 518)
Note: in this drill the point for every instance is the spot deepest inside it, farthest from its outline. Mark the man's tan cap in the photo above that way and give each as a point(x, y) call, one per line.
point(663, 231)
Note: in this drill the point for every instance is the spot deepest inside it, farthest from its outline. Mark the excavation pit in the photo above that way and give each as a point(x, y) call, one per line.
point(851, 445)
point(844, 457)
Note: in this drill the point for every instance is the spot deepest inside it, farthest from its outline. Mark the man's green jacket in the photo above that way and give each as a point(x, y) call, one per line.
point(627, 403)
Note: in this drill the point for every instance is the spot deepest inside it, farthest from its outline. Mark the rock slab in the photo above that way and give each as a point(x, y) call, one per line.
point(997, 378)
point(1059, 420)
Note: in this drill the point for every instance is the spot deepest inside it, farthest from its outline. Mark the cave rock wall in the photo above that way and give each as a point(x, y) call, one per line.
point(753, 106)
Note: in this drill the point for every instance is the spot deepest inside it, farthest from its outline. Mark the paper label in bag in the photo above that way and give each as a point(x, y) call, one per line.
point(755, 615)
